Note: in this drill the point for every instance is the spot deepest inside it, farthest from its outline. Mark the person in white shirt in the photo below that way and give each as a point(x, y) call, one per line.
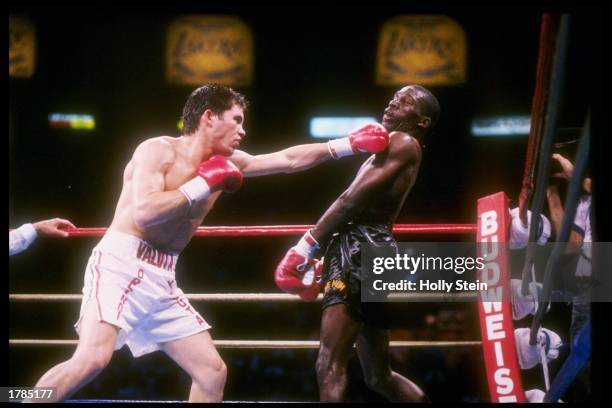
point(21, 238)
point(579, 244)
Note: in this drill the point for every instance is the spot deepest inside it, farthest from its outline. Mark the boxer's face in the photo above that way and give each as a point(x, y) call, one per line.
point(403, 111)
point(228, 130)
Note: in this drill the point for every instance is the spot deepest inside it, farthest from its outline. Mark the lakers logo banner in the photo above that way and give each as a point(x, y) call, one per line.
point(22, 47)
point(422, 49)
point(202, 49)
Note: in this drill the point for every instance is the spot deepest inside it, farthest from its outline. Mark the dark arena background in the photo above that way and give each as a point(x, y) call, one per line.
point(314, 62)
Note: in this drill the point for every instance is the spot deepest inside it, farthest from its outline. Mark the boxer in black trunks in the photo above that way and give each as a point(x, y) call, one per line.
point(365, 212)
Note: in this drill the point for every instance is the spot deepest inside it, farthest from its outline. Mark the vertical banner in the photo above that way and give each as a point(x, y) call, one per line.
point(22, 47)
point(494, 308)
point(421, 49)
point(203, 49)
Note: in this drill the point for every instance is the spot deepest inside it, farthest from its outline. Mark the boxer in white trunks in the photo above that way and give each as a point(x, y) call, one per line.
point(130, 293)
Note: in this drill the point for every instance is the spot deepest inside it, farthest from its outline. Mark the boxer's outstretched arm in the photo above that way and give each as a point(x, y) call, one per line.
point(374, 179)
point(290, 160)
point(369, 138)
point(152, 205)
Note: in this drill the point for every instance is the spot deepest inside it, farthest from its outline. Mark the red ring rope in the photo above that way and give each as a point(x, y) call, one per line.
point(274, 230)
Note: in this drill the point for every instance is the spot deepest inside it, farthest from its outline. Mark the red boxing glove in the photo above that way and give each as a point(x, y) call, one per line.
point(217, 173)
point(369, 138)
point(296, 271)
point(220, 174)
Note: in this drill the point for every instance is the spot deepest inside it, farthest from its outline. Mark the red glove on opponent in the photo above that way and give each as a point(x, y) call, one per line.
point(369, 138)
point(299, 272)
point(217, 173)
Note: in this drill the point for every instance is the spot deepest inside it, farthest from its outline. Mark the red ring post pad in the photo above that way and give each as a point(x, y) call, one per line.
point(494, 307)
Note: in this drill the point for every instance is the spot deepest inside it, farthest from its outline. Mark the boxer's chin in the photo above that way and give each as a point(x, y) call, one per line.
point(225, 151)
point(387, 124)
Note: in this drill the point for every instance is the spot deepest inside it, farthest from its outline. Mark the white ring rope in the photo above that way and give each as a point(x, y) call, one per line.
point(241, 344)
point(265, 344)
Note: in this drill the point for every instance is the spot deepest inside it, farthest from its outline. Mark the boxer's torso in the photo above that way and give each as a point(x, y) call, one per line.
point(385, 206)
point(174, 234)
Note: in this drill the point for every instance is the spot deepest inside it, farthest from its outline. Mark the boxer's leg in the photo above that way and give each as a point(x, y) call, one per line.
point(338, 333)
point(93, 353)
point(198, 356)
point(373, 352)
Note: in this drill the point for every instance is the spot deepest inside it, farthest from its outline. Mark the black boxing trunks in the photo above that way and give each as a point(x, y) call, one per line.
point(342, 272)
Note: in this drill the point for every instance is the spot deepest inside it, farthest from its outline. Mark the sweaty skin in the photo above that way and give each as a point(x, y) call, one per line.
point(383, 182)
point(173, 233)
point(404, 159)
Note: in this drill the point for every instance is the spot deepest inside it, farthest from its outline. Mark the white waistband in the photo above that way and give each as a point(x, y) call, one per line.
point(129, 246)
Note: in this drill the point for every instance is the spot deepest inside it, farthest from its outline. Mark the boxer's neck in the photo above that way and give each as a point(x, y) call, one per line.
point(196, 147)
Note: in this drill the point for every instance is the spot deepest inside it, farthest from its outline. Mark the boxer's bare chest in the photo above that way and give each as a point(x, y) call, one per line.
point(179, 173)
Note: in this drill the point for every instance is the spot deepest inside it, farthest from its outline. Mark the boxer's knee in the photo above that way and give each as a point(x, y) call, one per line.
point(211, 377)
point(329, 368)
point(219, 370)
point(90, 362)
point(378, 382)
point(323, 364)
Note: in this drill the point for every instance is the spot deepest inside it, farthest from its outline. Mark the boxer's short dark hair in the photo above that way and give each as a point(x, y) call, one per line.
point(217, 98)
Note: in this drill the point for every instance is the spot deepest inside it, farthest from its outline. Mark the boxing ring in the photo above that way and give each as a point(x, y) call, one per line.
point(492, 226)
point(248, 298)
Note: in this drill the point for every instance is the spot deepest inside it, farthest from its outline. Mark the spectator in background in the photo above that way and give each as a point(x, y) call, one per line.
point(21, 238)
point(578, 246)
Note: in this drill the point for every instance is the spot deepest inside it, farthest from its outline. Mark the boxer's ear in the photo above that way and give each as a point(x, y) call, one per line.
point(424, 122)
point(206, 120)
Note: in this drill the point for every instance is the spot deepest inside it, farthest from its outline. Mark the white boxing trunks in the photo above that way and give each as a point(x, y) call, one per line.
point(134, 288)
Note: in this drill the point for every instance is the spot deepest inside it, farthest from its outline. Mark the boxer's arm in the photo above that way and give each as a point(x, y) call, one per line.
point(373, 180)
point(152, 205)
point(556, 219)
point(290, 160)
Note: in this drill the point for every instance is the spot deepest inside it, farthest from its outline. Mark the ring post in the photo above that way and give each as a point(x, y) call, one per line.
point(494, 308)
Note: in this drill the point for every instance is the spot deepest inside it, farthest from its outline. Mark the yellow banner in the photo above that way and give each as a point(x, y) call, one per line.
point(202, 49)
point(22, 47)
point(421, 49)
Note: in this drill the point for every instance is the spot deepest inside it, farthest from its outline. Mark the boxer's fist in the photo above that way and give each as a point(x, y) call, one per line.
point(220, 174)
point(215, 174)
point(296, 272)
point(369, 138)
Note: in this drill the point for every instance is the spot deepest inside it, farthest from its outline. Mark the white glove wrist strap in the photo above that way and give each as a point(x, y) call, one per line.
point(340, 148)
point(307, 246)
point(195, 190)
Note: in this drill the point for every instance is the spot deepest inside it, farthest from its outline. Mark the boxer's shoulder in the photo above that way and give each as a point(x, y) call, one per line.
point(162, 149)
point(160, 142)
point(240, 158)
point(403, 145)
point(402, 140)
